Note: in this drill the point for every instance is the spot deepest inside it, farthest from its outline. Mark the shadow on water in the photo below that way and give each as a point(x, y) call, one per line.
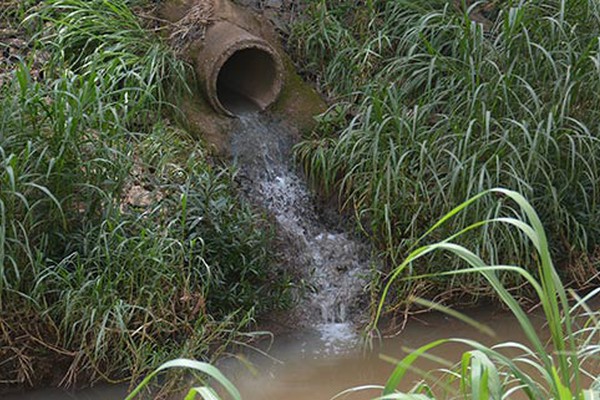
point(101, 392)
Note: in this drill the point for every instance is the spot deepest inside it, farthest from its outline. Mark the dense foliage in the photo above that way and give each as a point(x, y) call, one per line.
point(563, 368)
point(435, 101)
point(121, 243)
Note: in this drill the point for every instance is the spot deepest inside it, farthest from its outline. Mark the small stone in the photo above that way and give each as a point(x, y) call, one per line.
point(137, 196)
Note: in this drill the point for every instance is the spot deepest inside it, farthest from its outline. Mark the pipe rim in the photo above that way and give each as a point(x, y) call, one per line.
point(245, 44)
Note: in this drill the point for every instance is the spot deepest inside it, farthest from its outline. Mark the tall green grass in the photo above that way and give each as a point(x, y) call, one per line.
point(435, 101)
point(561, 369)
point(565, 368)
point(106, 42)
point(96, 284)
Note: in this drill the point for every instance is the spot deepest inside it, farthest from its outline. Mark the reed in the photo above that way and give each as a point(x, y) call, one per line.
point(561, 369)
point(436, 101)
point(122, 242)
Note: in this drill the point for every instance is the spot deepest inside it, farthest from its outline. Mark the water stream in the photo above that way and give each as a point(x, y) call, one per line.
point(333, 264)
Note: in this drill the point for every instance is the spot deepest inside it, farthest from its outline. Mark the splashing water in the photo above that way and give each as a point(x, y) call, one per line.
point(333, 264)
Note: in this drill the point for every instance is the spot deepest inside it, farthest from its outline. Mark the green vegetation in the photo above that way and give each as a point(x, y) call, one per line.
point(122, 243)
point(105, 42)
point(204, 370)
point(435, 101)
point(559, 370)
point(565, 369)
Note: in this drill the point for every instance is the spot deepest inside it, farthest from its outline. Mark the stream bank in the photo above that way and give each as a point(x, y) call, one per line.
point(308, 364)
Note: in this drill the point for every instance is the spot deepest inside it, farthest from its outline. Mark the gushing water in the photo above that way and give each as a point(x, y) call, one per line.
point(333, 264)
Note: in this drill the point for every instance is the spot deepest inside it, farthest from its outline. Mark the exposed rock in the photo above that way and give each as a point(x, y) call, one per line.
point(138, 196)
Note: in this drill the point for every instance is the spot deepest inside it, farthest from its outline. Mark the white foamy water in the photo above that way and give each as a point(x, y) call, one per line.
point(337, 338)
point(333, 263)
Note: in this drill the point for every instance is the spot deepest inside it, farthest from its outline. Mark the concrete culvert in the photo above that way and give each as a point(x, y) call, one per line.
point(247, 80)
point(240, 72)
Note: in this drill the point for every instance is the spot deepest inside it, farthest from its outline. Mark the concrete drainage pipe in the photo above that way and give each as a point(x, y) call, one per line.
point(240, 72)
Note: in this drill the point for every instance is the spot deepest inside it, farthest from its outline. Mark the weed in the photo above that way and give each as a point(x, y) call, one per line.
point(105, 42)
point(122, 244)
point(557, 371)
point(436, 102)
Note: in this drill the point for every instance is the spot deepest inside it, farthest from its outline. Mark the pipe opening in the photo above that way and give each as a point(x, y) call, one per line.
point(248, 81)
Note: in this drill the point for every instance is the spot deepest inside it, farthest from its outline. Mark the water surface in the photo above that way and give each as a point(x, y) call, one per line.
point(310, 370)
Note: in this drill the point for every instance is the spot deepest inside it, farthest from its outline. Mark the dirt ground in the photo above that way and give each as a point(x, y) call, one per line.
point(16, 45)
point(282, 13)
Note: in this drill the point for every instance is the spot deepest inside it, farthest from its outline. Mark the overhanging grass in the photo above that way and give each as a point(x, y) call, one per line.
point(439, 100)
point(554, 371)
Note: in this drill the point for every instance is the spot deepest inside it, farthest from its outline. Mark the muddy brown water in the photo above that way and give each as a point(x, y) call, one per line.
point(317, 365)
point(309, 369)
